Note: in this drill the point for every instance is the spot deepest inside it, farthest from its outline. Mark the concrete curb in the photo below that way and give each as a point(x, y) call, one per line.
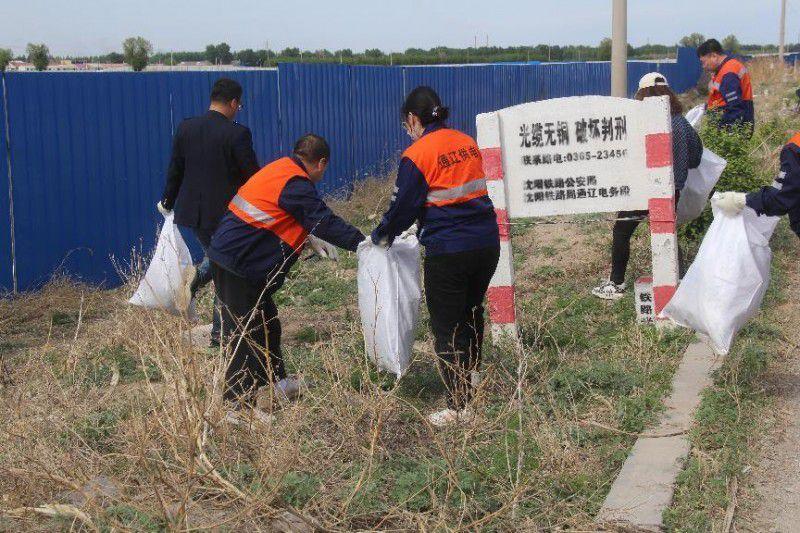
point(646, 484)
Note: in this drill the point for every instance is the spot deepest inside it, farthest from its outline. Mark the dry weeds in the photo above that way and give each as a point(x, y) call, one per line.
point(111, 415)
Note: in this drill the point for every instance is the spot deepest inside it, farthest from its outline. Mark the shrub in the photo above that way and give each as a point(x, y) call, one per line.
point(743, 172)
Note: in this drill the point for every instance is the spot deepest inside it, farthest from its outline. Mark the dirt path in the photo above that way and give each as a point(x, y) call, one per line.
point(776, 475)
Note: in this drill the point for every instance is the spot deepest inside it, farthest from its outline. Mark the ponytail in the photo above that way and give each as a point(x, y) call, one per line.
point(424, 103)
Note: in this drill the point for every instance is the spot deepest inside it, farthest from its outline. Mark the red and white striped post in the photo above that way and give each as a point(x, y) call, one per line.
point(663, 236)
point(502, 308)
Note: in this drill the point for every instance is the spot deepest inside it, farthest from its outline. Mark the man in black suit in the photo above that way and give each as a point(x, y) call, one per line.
point(212, 156)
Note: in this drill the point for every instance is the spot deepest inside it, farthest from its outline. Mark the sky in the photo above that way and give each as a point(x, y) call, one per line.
point(85, 27)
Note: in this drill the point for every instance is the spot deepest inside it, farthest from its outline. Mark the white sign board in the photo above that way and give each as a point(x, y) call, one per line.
point(586, 154)
point(577, 155)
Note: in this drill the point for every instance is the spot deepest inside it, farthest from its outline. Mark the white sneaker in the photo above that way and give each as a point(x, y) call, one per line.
point(290, 388)
point(247, 416)
point(609, 291)
point(448, 417)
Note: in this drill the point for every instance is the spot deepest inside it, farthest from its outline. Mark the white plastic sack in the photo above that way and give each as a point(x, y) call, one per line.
point(699, 184)
point(726, 283)
point(695, 114)
point(389, 295)
point(166, 283)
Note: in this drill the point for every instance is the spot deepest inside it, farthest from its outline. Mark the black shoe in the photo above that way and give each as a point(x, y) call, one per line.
point(194, 287)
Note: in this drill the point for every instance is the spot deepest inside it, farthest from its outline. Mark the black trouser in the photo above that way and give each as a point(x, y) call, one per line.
point(455, 285)
point(249, 368)
point(203, 276)
point(621, 243)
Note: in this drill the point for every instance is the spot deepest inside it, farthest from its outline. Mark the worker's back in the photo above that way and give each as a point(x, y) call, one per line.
point(458, 213)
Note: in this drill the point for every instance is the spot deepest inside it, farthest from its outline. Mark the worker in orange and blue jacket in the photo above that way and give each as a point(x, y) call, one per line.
point(730, 90)
point(269, 220)
point(441, 184)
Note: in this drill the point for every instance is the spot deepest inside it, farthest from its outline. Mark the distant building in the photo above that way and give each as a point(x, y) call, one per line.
point(194, 64)
point(20, 66)
point(62, 65)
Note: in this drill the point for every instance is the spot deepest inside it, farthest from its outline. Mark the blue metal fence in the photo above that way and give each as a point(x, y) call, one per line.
point(89, 150)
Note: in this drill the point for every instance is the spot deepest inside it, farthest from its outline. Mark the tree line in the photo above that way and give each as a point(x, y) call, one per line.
point(138, 53)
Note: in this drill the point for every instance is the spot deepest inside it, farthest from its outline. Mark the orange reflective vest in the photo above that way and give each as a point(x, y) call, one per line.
point(715, 97)
point(452, 165)
point(256, 202)
point(795, 140)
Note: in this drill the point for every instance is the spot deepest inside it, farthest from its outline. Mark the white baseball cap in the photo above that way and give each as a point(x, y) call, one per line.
point(653, 79)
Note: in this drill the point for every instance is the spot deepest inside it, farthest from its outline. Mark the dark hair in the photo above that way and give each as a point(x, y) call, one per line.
point(711, 46)
point(226, 90)
point(424, 103)
point(312, 148)
point(675, 106)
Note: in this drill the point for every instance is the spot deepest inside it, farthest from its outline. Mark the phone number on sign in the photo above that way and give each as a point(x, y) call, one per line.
point(549, 159)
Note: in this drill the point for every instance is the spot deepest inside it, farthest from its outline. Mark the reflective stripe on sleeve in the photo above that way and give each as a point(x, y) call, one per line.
point(457, 192)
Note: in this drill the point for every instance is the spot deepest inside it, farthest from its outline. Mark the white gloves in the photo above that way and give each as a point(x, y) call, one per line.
point(731, 203)
point(410, 231)
point(323, 249)
point(163, 210)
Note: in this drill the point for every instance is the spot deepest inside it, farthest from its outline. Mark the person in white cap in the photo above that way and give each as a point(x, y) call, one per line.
point(687, 149)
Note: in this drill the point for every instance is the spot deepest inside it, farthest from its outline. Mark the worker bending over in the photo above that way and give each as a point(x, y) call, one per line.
point(440, 183)
point(268, 221)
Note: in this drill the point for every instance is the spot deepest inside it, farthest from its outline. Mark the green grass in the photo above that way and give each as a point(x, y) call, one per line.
point(134, 519)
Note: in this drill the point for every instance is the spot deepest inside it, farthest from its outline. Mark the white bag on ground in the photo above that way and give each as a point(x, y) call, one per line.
point(726, 283)
point(389, 295)
point(699, 184)
point(695, 114)
point(166, 283)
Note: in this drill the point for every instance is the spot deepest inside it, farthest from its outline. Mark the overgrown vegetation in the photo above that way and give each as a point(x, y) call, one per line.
point(97, 390)
point(752, 156)
point(111, 416)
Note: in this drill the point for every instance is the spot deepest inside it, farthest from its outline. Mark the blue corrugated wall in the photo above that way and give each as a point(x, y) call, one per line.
point(89, 150)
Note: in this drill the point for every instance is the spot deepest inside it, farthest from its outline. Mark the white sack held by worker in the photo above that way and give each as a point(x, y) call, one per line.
point(389, 295)
point(165, 285)
point(695, 115)
point(700, 182)
point(726, 283)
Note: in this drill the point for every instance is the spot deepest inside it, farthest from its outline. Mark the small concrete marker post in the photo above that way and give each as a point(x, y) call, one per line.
point(583, 154)
point(645, 486)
